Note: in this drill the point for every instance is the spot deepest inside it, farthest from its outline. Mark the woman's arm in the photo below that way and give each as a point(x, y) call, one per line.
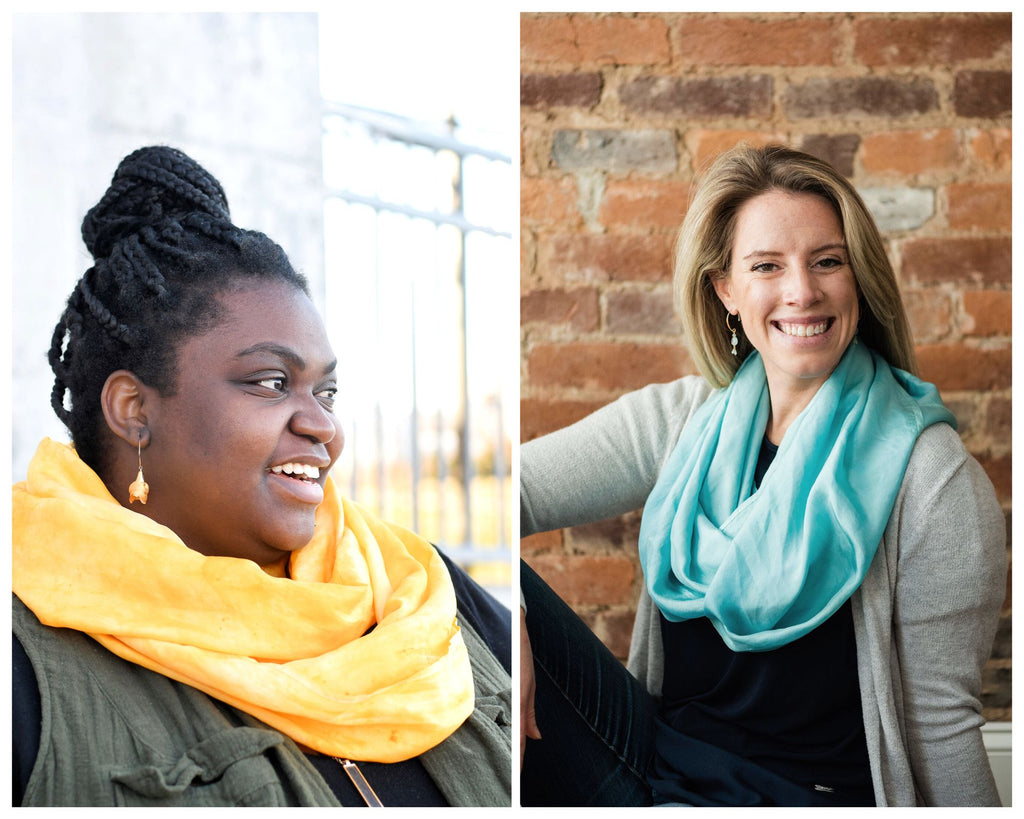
point(950, 586)
point(600, 467)
point(606, 464)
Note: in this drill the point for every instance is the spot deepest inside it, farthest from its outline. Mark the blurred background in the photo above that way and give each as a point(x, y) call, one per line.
point(375, 149)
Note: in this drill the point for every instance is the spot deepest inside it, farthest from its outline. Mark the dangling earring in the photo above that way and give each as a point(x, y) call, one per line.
point(138, 490)
point(734, 341)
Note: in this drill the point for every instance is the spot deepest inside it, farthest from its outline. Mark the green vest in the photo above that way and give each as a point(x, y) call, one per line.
point(115, 733)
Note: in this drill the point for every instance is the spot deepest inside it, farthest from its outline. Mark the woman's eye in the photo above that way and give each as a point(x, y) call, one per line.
point(764, 267)
point(275, 383)
point(831, 263)
point(327, 396)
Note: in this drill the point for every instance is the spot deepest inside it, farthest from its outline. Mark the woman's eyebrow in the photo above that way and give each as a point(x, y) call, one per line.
point(285, 354)
point(819, 249)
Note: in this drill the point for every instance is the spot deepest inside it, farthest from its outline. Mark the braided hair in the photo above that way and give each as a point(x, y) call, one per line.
point(164, 248)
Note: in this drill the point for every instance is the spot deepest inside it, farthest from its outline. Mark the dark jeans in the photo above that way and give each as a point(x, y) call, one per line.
point(596, 719)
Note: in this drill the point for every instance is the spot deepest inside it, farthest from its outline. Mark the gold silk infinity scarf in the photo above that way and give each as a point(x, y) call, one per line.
point(294, 652)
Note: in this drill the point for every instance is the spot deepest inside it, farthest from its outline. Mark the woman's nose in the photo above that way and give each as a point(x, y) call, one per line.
point(312, 420)
point(801, 286)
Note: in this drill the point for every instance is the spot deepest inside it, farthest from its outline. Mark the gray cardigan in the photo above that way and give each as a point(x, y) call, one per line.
point(924, 617)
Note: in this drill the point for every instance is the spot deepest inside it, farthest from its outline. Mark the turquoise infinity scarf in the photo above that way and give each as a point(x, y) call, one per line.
point(767, 567)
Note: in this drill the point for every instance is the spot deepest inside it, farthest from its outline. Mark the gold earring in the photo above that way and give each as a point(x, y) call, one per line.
point(138, 490)
point(734, 341)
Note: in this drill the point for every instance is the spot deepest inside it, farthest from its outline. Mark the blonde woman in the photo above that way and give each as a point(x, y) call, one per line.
point(823, 561)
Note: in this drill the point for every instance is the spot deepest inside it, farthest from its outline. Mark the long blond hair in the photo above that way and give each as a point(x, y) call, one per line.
point(705, 242)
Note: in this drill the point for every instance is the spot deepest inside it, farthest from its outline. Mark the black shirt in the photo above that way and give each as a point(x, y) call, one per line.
point(762, 721)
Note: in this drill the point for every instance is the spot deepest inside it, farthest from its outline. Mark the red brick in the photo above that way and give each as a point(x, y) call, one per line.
point(615, 630)
point(606, 257)
point(706, 145)
point(890, 97)
point(581, 90)
point(999, 421)
point(647, 203)
point(641, 311)
point(839, 150)
point(722, 96)
point(619, 533)
point(988, 312)
point(931, 39)
point(607, 39)
point(993, 149)
point(547, 200)
point(966, 411)
point(618, 39)
point(606, 367)
point(587, 579)
point(576, 308)
point(547, 38)
point(981, 260)
point(982, 94)
point(807, 39)
point(953, 367)
point(930, 313)
point(979, 206)
point(541, 542)
point(540, 416)
point(910, 152)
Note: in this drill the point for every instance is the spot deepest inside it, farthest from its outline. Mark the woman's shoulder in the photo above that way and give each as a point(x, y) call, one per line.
point(672, 396)
point(940, 458)
point(658, 410)
point(945, 489)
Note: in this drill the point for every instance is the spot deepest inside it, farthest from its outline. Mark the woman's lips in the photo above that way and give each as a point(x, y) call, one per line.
point(298, 487)
point(803, 329)
point(297, 470)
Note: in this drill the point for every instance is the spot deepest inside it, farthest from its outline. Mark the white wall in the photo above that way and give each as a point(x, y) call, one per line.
point(238, 92)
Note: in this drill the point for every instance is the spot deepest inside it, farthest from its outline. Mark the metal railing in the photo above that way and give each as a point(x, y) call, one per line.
point(419, 269)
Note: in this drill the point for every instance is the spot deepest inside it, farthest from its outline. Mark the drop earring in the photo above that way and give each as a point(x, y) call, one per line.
point(138, 490)
point(734, 341)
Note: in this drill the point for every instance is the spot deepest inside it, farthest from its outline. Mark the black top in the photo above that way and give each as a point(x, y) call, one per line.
point(746, 727)
point(397, 784)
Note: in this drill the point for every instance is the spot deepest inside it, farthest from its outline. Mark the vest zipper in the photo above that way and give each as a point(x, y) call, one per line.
point(365, 789)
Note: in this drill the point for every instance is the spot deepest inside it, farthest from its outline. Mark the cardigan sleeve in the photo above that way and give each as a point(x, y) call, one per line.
point(607, 463)
point(950, 584)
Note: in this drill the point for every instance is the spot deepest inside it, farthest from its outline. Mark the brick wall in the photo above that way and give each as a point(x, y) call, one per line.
point(617, 113)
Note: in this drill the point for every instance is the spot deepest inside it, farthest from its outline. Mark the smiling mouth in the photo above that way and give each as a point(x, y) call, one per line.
point(299, 472)
point(803, 330)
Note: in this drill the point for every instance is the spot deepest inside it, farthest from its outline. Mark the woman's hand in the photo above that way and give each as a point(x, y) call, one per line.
point(527, 715)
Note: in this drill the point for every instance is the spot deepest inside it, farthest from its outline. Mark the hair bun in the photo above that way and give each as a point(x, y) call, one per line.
point(151, 187)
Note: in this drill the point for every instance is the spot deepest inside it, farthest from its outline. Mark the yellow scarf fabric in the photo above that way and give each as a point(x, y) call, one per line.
point(292, 651)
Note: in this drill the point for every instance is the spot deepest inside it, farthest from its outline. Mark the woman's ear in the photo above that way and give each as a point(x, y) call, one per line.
point(123, 401)
point(720, 281)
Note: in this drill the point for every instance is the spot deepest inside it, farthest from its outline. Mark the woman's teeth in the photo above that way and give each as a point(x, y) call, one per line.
point(297, 471)
point(802, 330)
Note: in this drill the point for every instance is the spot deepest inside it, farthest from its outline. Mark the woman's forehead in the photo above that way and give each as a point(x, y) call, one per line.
point(274, 319)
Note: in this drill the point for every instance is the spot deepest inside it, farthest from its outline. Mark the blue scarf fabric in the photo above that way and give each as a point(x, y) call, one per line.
point(768, 566)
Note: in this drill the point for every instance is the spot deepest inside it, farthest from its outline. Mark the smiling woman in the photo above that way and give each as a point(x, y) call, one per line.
point(823, 561)
point(254, 396)
point(790, 283)
point(243, 634)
